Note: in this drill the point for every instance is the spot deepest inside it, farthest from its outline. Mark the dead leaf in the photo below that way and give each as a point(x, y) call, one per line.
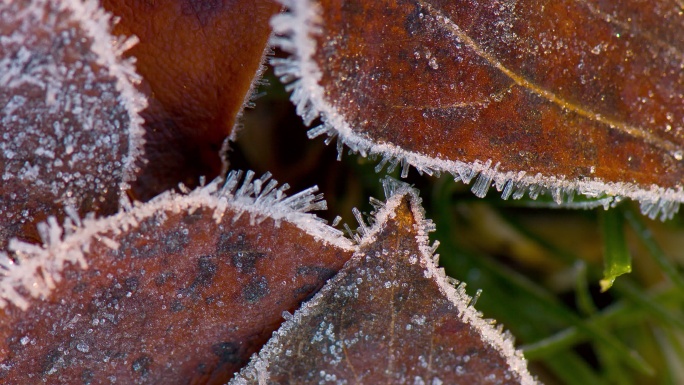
point(69, 115)
point(199, 60)
point(554, 97)
point(389, 316)
point(182, 289)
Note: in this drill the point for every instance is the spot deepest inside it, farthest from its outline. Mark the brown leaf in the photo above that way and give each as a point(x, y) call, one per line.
point(198, 60)
point(559, 96)
point(389, 316)
point(182, 289)
point(69, 115)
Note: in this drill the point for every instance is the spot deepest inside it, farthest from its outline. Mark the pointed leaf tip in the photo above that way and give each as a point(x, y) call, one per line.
point(389, 316)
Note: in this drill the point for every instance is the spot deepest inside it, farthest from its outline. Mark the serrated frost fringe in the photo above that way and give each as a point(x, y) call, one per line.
point(295, 29)
point(251, 95)
point(35, 269)
point(247, 102)
point(396, 191)
point(96, 23)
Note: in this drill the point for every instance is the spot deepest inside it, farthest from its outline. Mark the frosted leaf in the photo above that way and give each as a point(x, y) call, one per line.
point(383, 319)
point(180, 289)
point(470, 89)
point(200, 62)
point(68, 112)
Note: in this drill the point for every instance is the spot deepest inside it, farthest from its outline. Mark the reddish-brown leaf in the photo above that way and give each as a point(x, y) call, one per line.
point(68, 113)
point(560, 96)
point(182, 289)
point(198, 60)
point(389, 317)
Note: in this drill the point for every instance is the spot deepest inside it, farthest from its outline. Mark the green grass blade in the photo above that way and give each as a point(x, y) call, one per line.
point(644, 234)
point(622, 313)
point(583, 297)
point(616, 257)
point(570, 368)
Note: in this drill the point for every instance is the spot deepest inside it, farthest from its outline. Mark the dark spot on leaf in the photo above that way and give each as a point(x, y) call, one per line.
point(132, 284)
point(322, 273)
point(308, 291)
point(226, 245)
point(227, 352)
point(175, 241)
point(255, 290)
point(87, 376)
point(149, 250)
point(176, 306)
point(163, 277)
point(203, 10)
point(202, 368)
point(206, 271)
point(142, 364)
point(245, 261)
point(79, 287)
point(51, 361)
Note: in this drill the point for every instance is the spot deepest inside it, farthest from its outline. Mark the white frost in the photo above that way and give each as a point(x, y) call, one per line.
point(67, 102)
point(35, 268)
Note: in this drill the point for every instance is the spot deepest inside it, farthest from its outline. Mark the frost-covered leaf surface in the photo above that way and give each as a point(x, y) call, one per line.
point(198, 60)
point(558, 97)
point(389, 316)
point(68, 113)
point(182, 289)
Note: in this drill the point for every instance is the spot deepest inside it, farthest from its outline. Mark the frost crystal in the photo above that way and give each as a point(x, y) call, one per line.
point(71, 132)
point(33, 270)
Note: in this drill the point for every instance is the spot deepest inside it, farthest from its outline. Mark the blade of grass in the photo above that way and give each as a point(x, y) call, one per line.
point(564, 255)
point(644, 234)
point(620, 313)
point(558, 310)
point(616, 257)
point(670, 345)
point(610, 363)
point(654, 308)
point(533, 312)
point(615, 372)
point(583, 297)
point(572, 369)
